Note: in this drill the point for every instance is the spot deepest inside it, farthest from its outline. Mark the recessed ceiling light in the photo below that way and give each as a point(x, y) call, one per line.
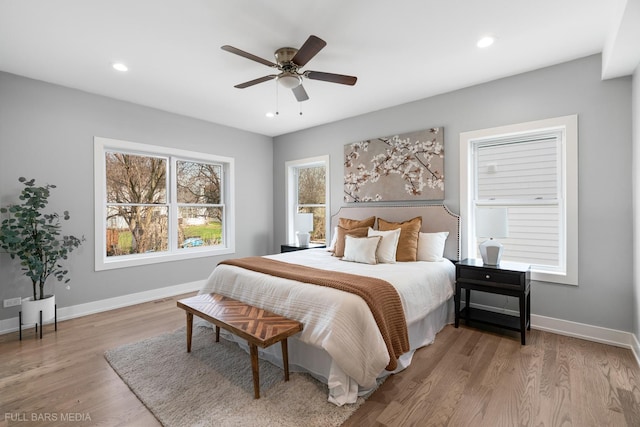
point(120, 66)
point(485, 41)
point(270, 115)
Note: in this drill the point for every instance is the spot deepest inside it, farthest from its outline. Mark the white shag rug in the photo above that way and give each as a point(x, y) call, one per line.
point(213, 385)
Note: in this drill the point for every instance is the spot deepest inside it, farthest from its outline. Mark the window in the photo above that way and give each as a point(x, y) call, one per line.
point(156, 204)
point(308, 192)
point(531, 170)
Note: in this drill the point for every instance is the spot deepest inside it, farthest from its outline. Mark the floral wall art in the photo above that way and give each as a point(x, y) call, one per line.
point(402, 167)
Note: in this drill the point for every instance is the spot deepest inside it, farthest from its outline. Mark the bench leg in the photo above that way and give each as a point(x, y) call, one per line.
point(255, 369)
point(285, 359)
point(189, 330)
point(217, 333)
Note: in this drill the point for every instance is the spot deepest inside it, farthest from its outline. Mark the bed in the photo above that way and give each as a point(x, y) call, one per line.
point(341, 343)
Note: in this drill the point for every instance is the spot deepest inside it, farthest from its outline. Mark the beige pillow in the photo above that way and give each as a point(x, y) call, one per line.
point(349, 224)
point(361, 249)
point(356, 223)
point(338, 249)
point(431, 246)
point(409, 233)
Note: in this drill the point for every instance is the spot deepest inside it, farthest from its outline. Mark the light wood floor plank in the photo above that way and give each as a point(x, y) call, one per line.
point(468, 377)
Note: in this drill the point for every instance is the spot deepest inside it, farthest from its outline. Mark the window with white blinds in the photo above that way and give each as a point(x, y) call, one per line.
point(531, 169)
point(523, 175)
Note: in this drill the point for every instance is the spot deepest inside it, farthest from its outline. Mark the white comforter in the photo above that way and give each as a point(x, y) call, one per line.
point(339, 322)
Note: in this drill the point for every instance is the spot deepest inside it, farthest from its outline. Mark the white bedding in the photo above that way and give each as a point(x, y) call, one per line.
point(340, 323)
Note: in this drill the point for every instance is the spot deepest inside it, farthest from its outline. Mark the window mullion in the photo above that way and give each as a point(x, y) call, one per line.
point(173, 207)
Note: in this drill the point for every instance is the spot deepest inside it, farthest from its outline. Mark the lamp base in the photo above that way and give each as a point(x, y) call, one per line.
point(303, 238)
point(491, 252)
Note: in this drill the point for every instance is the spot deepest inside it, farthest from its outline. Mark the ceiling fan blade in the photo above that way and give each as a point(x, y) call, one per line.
point(248, 56)
point(256, 81)
point(330, 77)
point(300, 93)
point(309, 49)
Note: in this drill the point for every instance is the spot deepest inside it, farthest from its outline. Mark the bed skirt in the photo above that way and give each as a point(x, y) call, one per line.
point(318, 363)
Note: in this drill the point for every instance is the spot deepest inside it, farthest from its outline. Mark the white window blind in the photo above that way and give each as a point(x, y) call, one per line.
point(524, 174)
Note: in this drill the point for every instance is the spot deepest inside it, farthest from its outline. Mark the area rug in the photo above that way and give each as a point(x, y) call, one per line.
point(213, 386)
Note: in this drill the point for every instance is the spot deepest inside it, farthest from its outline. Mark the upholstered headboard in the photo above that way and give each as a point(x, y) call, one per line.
point(435, 218)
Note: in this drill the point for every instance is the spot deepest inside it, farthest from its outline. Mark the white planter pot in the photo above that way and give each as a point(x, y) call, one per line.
point(31, 309)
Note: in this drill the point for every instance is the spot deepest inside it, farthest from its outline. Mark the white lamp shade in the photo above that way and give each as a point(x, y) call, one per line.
point(492, 223)
point(304, 222)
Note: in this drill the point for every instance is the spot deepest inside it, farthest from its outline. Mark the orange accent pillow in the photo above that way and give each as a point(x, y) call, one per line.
point(409, 234)
point(356, 223)
point(342, 232)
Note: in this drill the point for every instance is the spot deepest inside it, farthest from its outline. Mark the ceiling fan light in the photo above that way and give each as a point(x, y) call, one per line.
point(289, 80)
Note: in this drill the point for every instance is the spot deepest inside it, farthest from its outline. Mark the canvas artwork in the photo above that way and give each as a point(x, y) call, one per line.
point(402, 167)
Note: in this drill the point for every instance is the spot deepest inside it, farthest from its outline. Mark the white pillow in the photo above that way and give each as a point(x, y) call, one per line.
point(431, 246)
point(334, 237)
point(388, 245)
point(361, 249)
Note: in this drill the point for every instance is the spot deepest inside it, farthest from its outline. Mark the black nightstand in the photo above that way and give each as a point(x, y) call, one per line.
point(290, 247)
point(508, 278)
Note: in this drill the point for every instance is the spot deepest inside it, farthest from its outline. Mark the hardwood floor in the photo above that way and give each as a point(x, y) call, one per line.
point(468, 377)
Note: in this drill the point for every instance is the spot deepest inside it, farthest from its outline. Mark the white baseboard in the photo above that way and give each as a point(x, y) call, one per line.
point(65, 313)
point(543, 323)
point(635, 348)
point(577, 330)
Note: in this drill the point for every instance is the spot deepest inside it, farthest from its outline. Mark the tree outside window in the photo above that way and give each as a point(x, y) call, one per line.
point(139, 209)
point(308, 192)
point(311, 199)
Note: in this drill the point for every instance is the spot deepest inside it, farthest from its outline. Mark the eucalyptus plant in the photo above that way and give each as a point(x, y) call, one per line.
point(35, 237)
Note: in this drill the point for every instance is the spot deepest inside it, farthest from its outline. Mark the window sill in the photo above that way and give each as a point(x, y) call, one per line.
point(149, 259)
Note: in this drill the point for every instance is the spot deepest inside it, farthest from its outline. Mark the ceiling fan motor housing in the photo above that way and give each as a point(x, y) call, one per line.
point(284, 55)
point(289, 77)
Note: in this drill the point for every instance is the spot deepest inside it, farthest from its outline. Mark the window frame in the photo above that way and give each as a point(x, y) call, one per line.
point(568, 126)
point(104, 145)
point(292, 200)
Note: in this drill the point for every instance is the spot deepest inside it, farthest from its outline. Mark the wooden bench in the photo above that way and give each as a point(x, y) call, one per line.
point(261, 328)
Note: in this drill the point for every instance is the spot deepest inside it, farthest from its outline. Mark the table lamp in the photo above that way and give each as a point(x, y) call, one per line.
point(491, 223)
point(303, 225)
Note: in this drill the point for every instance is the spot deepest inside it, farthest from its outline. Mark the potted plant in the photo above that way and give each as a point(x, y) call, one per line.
point(35, 238)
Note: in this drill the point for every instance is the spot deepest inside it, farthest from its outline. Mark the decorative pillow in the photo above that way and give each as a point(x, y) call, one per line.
point(338, 249)
point(388, 244)
point(334, 237)
point(409, 232)
point(431, 246)
point(356, 223)
point(361, 249)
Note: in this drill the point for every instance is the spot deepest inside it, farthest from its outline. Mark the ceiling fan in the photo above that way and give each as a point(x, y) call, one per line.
point(289, 62)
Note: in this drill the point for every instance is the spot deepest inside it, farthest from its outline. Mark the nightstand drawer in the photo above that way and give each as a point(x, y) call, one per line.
point(486, 275)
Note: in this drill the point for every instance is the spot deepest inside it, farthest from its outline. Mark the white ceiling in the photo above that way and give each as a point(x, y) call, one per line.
point(400, 51)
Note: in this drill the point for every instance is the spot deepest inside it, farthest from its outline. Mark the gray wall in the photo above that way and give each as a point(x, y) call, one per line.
point(604, 296)
point(46, 133)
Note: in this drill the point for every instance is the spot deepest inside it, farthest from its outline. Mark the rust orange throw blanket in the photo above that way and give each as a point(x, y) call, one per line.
point(381, 297)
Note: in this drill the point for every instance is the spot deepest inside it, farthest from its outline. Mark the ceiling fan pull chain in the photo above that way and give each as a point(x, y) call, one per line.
point(300, 104)
point(277, 100)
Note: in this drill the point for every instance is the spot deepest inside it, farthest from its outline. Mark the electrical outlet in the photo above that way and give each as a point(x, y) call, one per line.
point(11, 302)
